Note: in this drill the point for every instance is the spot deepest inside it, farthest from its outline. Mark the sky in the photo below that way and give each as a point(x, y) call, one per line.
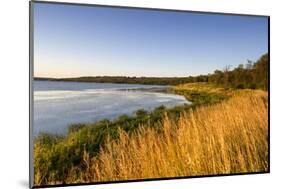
point(74, 41)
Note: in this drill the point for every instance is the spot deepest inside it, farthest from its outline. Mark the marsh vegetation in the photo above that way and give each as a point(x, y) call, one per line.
point(224, 130)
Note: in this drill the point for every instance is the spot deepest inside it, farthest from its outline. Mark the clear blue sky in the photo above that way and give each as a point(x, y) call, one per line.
point(72, 41)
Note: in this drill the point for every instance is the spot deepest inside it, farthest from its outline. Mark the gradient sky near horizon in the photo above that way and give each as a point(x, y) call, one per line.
point(73, 41)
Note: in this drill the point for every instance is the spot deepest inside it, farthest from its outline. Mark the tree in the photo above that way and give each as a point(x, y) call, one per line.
point(226, 75)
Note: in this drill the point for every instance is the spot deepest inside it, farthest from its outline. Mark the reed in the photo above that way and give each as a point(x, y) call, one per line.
point(227, 137)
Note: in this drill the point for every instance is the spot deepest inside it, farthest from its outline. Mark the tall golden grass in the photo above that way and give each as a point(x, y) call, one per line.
point(229, 137)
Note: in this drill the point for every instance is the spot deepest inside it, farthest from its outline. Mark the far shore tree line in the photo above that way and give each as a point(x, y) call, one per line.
point(253, 75)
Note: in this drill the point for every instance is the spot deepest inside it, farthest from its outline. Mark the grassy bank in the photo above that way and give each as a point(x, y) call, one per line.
point(203, 93)
point(89, 151)
point(230, 137)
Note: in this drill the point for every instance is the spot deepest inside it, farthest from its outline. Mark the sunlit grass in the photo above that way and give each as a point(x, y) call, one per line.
point(229, 137)
point(201, 87)
point(223, 131)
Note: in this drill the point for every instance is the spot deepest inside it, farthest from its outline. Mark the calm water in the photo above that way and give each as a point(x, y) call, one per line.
point(58, 104)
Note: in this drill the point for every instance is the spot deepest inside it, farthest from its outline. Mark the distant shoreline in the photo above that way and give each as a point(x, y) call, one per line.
point(142, 87)
point(122, 80)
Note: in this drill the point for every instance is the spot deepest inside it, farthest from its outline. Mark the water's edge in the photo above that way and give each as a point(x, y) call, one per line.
point(55, 113)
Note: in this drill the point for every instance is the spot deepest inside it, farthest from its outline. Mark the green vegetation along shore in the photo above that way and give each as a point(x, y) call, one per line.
point(97, 152)
point(55, 155)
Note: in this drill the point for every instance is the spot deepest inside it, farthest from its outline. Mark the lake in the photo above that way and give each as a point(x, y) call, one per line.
point(58, 104)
